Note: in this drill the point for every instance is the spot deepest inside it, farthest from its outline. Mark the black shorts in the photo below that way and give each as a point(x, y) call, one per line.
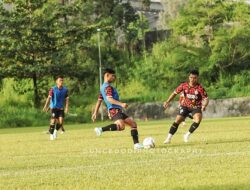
point(187, 112)
point(119, 115)
point(56, 113)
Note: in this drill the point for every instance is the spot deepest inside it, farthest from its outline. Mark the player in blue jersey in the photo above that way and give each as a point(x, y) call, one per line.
point(111, 98)
point(58, 96)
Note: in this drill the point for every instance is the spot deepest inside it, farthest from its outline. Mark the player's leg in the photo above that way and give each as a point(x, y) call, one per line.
point(197, 117)
point(57, 122)
point(173, 128)
point(134, 132)
point(52, 124)
point(60, 121)
point(184, 122)
point(52, 128)
point(183, 112)
point(118, 125)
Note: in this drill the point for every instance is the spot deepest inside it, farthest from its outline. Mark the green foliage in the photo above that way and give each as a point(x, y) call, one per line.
point(41, 39)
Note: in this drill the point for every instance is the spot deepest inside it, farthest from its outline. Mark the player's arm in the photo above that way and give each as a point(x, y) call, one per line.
point(66, 103)
point(205, 99)
point(204, 104)
point(97, 106)
point(113, 101)
point(109, 94)
point(178, 90)
point(46, 106)
point(170, 98)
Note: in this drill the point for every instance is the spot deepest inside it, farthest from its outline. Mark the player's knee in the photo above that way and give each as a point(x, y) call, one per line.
point(133, 124)
point(121, 127)
point(52, 123)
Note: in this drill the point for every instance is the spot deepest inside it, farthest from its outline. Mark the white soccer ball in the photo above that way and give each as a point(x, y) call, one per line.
point(148, 142)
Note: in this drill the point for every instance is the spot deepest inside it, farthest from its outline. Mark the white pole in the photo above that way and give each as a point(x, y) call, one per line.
point(100, 67)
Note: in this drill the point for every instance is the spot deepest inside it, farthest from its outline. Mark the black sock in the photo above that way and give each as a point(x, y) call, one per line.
point(193, 127)
point(111, 127)
point(58, 126)
point(62, 128)
point(134, 134)
point(51, 128)
point(173, 128)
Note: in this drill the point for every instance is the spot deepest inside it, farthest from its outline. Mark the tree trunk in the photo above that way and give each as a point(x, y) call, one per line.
point(36, 95)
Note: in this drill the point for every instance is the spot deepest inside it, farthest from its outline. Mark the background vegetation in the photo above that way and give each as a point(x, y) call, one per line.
point(42, 38)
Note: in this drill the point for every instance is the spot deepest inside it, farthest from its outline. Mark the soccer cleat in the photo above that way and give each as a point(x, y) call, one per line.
point(167, 141)
point(138, 146)
point(186, 137)
point(98, 131)
point(62, 132)
point(51, 137)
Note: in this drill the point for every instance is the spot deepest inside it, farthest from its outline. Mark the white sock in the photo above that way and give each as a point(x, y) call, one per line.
point(169, 136)
point(188, 133)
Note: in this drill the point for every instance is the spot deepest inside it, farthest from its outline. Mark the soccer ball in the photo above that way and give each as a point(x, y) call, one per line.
point(149, 142)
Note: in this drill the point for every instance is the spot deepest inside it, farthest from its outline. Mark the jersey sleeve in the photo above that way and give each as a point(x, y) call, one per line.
point(51, 92)
point(109, 91)
point(204, 93)
point(66, 94)
point(179, 89)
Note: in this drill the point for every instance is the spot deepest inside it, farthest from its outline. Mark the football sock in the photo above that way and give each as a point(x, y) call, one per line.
point(134, 134)
point(58, 126)
point(169, 136)
point(111, 127)
point(193, 127)
point(51, 128)
point(173, 128)
point(62, 128)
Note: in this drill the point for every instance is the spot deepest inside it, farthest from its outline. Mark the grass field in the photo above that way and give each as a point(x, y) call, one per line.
point(217, 157)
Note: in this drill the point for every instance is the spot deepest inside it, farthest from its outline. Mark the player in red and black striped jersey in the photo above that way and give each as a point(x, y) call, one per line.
point(194, 101)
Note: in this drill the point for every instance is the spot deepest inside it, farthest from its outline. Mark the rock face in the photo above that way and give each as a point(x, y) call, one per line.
point(216, 108)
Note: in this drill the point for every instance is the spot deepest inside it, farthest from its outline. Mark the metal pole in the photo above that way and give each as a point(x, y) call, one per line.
point(100, 67)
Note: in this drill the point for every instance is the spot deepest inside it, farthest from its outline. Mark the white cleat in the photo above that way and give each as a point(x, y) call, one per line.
point(62, 132)
point(138, 146)
point(51, 137)
point(98, 131)
point(167, 141)
point(186, 137)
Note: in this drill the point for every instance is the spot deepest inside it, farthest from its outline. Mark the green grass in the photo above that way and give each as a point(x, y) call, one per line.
point(217, 157)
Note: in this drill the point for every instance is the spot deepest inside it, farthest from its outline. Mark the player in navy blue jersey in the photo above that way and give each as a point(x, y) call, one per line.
point(58, 96)
point(111, 98)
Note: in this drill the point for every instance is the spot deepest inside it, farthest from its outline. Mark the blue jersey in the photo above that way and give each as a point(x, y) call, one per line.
point(108, 91)
point(58, 97)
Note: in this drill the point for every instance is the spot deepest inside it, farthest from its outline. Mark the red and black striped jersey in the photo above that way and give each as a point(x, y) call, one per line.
point(192, 96)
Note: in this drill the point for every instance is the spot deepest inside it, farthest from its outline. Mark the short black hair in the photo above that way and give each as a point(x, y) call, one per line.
point(108, 70)
point(194, 72)
point(58, 76)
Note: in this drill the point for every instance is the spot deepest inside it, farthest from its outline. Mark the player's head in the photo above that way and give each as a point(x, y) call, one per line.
point(109, 75)
point(59, 81)
point(193, 76)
